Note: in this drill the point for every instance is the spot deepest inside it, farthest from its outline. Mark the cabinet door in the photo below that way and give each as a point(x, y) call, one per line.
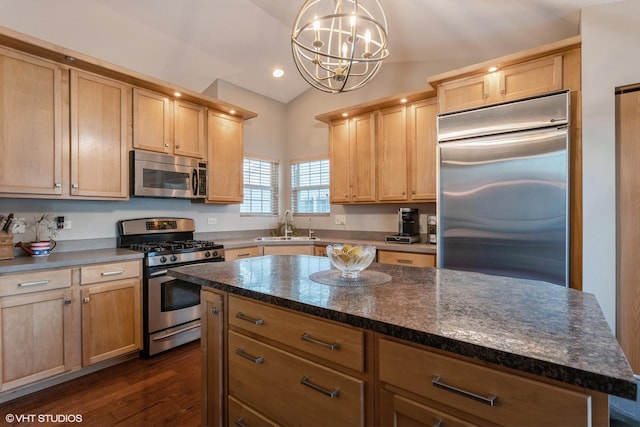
point(339, 161)
point(465, 93)
point(189, 125)
point(530, 78)
point(30, 125)
point(422, 142)
point(225, 157)
point(399, 411)
point(111, 320)
point(288, 250)
point(213, 356)
point(36, 333)
point(152, 121)
point(392, 154)
point(362, 158)
point(99, 143)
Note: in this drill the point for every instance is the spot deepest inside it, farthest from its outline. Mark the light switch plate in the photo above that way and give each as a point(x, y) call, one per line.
point(341, 219)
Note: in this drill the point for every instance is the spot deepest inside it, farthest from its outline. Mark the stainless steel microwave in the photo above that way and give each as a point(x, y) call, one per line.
point(162, 175)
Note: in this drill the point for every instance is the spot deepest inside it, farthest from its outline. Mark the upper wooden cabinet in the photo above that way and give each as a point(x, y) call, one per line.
point(225, 148)
point(31, 125)
point(99, 136)
point(167, 126)
point(352, 158)
point(514, 82)
point(189, 129)
point(406, 153)
point(42, 157)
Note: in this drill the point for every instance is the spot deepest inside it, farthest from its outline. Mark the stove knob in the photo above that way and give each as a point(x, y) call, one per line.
point(163, 259)
point(215, 253)
point(207, 254)
point(174, 258)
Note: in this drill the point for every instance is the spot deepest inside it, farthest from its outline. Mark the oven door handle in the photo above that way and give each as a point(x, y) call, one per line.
point(170, 334)
point(159, 273)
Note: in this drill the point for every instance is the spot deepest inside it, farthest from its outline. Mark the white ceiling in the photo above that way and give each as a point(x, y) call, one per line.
point(192, 43)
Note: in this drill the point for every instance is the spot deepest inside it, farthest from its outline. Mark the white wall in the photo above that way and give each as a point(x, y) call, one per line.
point(610, 36)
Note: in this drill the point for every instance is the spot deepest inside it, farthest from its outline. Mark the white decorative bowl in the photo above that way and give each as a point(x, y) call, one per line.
point(351, 259)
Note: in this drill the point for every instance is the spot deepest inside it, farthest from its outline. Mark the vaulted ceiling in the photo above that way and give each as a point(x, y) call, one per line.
point(192, 43)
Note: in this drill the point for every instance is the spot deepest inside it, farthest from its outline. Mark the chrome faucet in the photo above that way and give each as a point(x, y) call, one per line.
point(287, 216)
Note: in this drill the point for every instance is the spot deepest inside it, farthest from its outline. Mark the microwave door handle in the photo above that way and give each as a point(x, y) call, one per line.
point(194, 182)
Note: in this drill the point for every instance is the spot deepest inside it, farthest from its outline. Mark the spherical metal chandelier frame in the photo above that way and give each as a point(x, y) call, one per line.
point(339, 45)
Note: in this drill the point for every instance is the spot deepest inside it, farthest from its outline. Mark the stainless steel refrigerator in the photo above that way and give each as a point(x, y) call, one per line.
point(503, 189)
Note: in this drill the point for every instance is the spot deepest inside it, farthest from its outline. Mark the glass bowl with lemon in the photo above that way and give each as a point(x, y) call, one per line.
point(351, 259)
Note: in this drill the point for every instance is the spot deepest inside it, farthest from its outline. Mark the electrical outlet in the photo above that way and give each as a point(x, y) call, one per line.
point(212, 221)
point(68, 225)
point(341, 219)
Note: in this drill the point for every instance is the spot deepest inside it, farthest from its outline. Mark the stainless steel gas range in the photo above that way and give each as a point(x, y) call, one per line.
point(171, 306)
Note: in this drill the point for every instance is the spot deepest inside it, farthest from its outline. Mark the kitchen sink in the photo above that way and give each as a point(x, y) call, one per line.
point(280, 238)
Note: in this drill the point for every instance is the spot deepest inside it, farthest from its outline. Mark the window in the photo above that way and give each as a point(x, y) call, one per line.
point(310, 186)
point(260, 186)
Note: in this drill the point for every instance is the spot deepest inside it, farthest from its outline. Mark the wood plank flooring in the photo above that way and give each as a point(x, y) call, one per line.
point(161, 391)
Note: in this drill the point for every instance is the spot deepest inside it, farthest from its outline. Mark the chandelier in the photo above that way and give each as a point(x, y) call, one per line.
point(339, 45)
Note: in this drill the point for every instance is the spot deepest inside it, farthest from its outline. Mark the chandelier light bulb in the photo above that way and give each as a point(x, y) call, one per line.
point(325, 47)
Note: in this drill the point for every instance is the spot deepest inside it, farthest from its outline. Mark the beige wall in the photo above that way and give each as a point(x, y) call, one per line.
point(610, 36)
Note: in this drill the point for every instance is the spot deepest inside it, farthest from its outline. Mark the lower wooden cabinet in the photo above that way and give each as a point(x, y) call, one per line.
point(288, 250)
point(413, 259)
point(242, 415)
point(399, 411)
point(36, 336)
point(290, 389)
point(111, 310)
point(240, 253)
point(213, 344)
point(481, 392)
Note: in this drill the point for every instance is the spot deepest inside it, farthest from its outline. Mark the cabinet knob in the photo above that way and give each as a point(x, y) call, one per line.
point(485, 95)
point(57, 185)
point(85, 300)
point(166, 145)
point(215, 311)
point(177, 146)
point(67, 302)
point(74, 186)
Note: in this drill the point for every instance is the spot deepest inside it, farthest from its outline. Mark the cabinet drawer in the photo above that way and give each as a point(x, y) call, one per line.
point(242, 415)
point(109, 272)
point(34, 281)
point(240, 253)
point(322, 338)
point(406, 258)
point(516, 400)
point(290, 389)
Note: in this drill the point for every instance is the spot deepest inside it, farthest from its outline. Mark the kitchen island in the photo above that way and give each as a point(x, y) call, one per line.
point(431, 344)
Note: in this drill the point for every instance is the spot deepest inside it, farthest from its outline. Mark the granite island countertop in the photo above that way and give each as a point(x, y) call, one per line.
point(530, 326)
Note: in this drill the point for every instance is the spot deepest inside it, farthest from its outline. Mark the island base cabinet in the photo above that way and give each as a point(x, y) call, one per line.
point(242, 415)
point(36, 333)
point(291, 390)
point(480, 391)
point(398, 411)
point(212, 343)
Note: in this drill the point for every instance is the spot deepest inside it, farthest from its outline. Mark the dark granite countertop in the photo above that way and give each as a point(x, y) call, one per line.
point(67, 259)
point(530, 326)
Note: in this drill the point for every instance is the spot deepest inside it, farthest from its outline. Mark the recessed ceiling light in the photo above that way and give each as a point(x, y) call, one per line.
point(178, 94)
point(278, 72)
point(232, 111)
point(345, 114)
point(403, 100)
point(493, 69)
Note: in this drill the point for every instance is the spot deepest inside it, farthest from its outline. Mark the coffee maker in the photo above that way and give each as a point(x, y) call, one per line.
point(408, 226)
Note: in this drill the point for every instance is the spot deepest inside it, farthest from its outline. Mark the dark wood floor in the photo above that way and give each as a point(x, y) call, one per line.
point(161, 391)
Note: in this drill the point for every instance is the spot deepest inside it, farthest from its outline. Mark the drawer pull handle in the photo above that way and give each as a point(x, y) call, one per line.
point(244, 254)
point(438, 423)
point(112, 273)
point(309, 338)
point(241, 315)
point(37, 283)
point(240, 422)
point(215, 311)
point(330, 393)
point(240, 352)
point(490, 401)
point(405, 261)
